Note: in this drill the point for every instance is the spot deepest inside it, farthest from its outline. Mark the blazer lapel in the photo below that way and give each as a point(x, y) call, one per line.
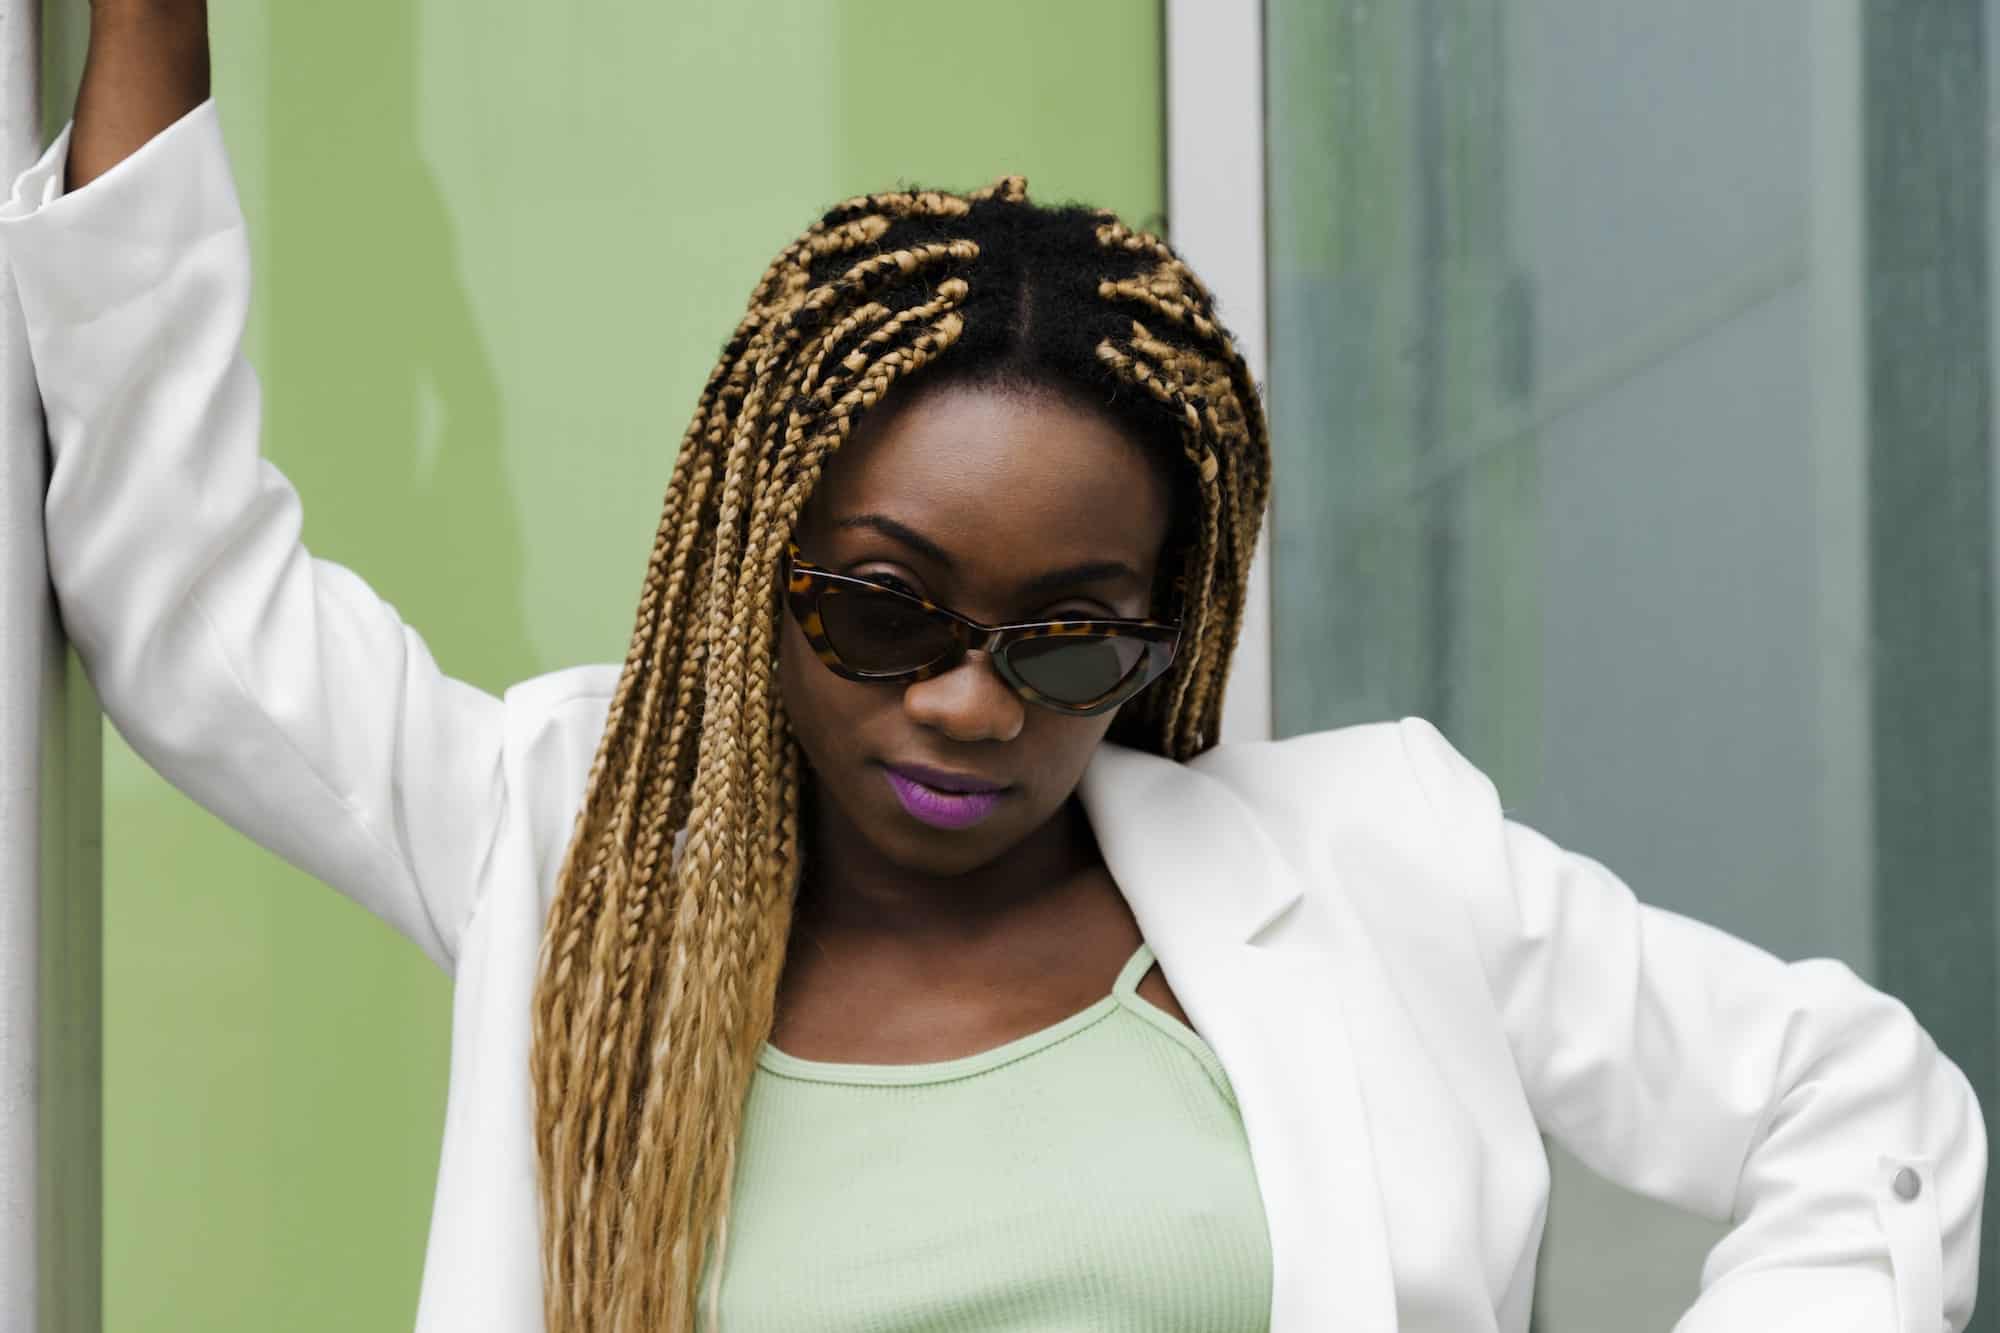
point(1210, 894)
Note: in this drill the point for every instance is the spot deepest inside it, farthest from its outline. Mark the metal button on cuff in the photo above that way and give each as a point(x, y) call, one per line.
point(1909, 1220)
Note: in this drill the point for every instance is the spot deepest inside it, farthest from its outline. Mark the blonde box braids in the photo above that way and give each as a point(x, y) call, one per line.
point(659, 967)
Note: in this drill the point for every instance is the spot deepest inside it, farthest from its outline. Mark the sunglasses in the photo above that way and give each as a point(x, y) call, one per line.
point(864, 630)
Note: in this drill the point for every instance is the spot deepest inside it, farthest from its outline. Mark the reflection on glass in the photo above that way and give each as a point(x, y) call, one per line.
point(1631, 386)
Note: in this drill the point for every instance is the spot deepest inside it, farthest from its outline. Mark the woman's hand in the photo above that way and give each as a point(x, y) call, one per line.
point(147, 66)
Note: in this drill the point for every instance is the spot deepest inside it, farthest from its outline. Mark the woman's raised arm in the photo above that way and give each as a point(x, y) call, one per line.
point(273, 687)
point(147, 66)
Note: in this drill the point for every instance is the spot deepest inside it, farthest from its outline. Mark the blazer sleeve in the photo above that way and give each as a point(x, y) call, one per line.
point(1791, 1100)
point(273, 687)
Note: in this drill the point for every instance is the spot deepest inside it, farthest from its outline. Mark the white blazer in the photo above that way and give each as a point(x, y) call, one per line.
point(1406, 989)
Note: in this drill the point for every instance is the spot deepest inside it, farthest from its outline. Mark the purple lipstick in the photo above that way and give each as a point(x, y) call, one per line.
point(943, 800)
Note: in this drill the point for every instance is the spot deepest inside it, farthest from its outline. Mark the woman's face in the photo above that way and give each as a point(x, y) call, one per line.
point(974, 498)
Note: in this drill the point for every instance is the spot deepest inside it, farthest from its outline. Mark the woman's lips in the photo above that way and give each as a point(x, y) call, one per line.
point(936, 806)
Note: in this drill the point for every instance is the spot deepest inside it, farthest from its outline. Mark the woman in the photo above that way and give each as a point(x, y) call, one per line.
point(806, 963)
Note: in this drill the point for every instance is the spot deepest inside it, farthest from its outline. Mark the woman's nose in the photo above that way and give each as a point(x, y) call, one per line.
point(970, 702)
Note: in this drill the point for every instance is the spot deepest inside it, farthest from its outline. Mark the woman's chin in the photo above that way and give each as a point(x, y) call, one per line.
point(913, 846)
point(941, 846)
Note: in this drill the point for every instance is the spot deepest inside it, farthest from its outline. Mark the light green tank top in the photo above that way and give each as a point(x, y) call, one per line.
point(1092, 1175)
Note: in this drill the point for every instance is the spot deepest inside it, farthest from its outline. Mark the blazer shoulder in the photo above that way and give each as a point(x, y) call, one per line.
point(1316, 763)
point(1361, 745)
point(1371, 778)
point(551, 698)
point(554, 724)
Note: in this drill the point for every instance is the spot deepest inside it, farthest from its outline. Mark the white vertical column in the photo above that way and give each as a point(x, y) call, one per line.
point(1215, 217)
point(24, 631)
point(50, 904)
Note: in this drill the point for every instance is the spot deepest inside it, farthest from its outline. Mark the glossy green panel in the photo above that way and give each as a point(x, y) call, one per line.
point(497, 249)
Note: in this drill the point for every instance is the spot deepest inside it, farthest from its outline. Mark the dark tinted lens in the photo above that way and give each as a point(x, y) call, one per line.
point(879, 632)
point(1075, 669)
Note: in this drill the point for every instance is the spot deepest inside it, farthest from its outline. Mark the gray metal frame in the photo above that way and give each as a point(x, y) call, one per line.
point(1215, 219)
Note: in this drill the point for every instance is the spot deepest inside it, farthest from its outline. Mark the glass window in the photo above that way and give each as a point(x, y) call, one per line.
point(1630, 380)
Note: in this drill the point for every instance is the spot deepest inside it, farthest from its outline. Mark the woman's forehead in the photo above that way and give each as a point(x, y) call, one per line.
point(981, 467)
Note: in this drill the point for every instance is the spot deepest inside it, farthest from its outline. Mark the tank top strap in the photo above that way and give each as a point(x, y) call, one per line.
point(1136, 967)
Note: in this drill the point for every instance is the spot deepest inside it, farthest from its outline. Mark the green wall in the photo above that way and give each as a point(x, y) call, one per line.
point(497, 248)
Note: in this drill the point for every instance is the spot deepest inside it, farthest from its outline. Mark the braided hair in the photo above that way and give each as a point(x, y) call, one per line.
point(663, 947)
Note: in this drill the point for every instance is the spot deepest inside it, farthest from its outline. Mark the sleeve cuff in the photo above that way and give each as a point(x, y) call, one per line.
point(41, 183)
point(79, 253)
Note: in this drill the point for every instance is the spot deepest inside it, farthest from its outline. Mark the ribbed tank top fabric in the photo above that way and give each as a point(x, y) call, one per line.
point(1091, 1175)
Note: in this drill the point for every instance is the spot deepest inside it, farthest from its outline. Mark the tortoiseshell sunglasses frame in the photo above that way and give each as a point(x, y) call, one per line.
point(805, 581)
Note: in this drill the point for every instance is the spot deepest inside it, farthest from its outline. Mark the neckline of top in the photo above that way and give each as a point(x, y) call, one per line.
point(775, 1061)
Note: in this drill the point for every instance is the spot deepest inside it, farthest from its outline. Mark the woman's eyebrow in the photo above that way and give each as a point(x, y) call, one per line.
point(1093, 571)
point(1090, 571)
point(890, 528)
